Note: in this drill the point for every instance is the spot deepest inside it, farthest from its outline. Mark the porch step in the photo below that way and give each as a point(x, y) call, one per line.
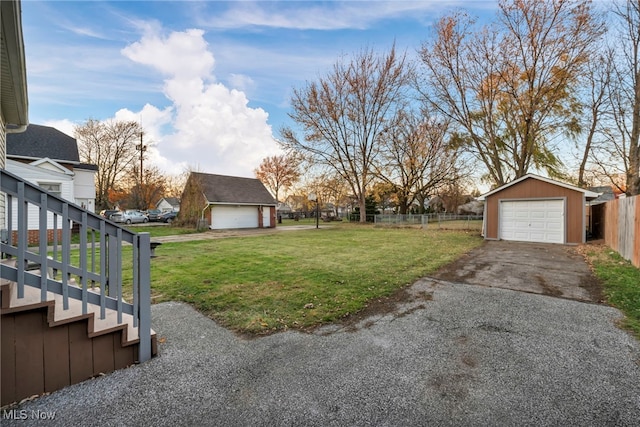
point(57, 315)
point(45, 348)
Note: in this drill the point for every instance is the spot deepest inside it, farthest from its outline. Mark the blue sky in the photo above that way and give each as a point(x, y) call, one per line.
point(209, 80)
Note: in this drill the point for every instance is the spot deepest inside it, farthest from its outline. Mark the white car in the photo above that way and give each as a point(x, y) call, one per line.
point(130, 217)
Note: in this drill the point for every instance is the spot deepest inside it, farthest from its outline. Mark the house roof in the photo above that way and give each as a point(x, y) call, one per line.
point(38, 142)
point(14, 103)
point(606, 194)
point(588, 194)
point(173, 201)
point(233, 189)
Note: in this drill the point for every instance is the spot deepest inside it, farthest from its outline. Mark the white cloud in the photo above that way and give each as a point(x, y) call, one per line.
point(241, 82)
point(326, 16)
point(212, 126)
point(64, 126)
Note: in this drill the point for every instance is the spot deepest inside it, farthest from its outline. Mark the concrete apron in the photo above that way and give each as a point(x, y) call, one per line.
point(539, 268)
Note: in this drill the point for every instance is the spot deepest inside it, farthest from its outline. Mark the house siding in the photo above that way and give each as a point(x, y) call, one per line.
point(36, 176)
point(532, 189)
point(84, 189)
point(3, 144)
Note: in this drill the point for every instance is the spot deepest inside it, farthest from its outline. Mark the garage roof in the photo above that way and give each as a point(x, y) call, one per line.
point(588, 194)
point(233, 189)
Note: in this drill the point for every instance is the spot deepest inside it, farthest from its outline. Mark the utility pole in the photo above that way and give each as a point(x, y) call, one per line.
point(142, 148)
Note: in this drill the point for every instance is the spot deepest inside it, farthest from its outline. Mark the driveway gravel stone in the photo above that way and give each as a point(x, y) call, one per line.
point(453, 355)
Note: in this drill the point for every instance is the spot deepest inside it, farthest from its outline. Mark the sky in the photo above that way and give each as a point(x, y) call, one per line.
point(210, 81)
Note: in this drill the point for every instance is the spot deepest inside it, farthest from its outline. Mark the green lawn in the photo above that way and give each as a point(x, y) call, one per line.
point(621, 281)
point(160, 229)
point(263, 283)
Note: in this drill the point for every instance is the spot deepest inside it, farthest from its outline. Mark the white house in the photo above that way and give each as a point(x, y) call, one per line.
point(168, 204)
point(49, 158)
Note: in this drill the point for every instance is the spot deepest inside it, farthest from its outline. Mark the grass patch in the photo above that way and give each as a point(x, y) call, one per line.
point(154, 231)
point(161, 230)
point(299, 279)
point(288, 222)
point(621, 281)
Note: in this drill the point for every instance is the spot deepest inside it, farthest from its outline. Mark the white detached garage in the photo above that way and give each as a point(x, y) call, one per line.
point(536, 209)
point(232, 202)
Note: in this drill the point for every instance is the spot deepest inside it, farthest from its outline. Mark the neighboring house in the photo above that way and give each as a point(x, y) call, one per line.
point(536, 209)
point(474, 207)
point(284, 210)
point(49, 158)
point(169, 204)
point(595, 210)
point(299, 205)
point(227, 202)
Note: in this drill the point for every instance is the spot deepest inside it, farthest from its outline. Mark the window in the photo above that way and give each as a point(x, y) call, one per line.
point(51, 187)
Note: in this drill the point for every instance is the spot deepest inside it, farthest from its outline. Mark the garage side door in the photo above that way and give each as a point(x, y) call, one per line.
point(224, 217)
point(532, 221)
point(266, 217)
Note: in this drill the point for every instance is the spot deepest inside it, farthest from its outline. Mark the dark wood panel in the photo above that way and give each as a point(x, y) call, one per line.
point(56, 362)
point(80, 352)
point(123, 356)
point(7, 360)
point(103, 354)
point(29, 327)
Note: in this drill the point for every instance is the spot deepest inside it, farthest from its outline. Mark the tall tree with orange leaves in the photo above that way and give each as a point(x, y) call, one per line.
point(508, 88)
point(278, 173)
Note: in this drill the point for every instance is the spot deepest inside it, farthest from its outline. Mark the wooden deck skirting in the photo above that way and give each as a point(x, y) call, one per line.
point(40, 354)
point(56, 332)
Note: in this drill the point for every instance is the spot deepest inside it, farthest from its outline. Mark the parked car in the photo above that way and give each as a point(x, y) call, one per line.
point(108, 212)
point(154, 214)
point(130, 217)
point(168, 217)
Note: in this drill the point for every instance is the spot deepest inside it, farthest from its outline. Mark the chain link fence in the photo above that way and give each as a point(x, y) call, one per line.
point(444, 221)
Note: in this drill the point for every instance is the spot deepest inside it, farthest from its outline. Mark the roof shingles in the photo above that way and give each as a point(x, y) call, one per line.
point(39, 142)
point(233, 190)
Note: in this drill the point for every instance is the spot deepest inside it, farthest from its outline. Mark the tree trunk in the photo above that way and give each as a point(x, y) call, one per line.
point(362, 202)
point(633, 174)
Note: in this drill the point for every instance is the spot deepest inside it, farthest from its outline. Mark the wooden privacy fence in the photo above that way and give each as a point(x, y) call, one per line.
point(622, 227)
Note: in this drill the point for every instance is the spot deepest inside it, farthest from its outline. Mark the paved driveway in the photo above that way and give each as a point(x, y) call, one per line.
point(453, 354)
point(546, 269)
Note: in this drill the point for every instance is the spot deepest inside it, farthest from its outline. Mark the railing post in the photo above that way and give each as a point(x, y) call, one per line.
point(43, 241)
point(144, 327)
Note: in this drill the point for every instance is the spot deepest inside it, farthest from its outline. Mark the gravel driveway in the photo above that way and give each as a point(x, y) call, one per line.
point(454, 354)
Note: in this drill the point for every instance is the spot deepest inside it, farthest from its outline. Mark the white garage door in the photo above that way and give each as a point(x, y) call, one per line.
point(532, 221)
point(223, 217)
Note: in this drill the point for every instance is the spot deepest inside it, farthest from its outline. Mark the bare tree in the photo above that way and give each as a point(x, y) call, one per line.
point(192, 200)
point(174, 184)
point(626, 102)
point(142, 195)
point(596, 102)
point(110, 145)
point(330, 189)
point(278, 172)
point(344, 114)
point(509, 87)
point(416, 159)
